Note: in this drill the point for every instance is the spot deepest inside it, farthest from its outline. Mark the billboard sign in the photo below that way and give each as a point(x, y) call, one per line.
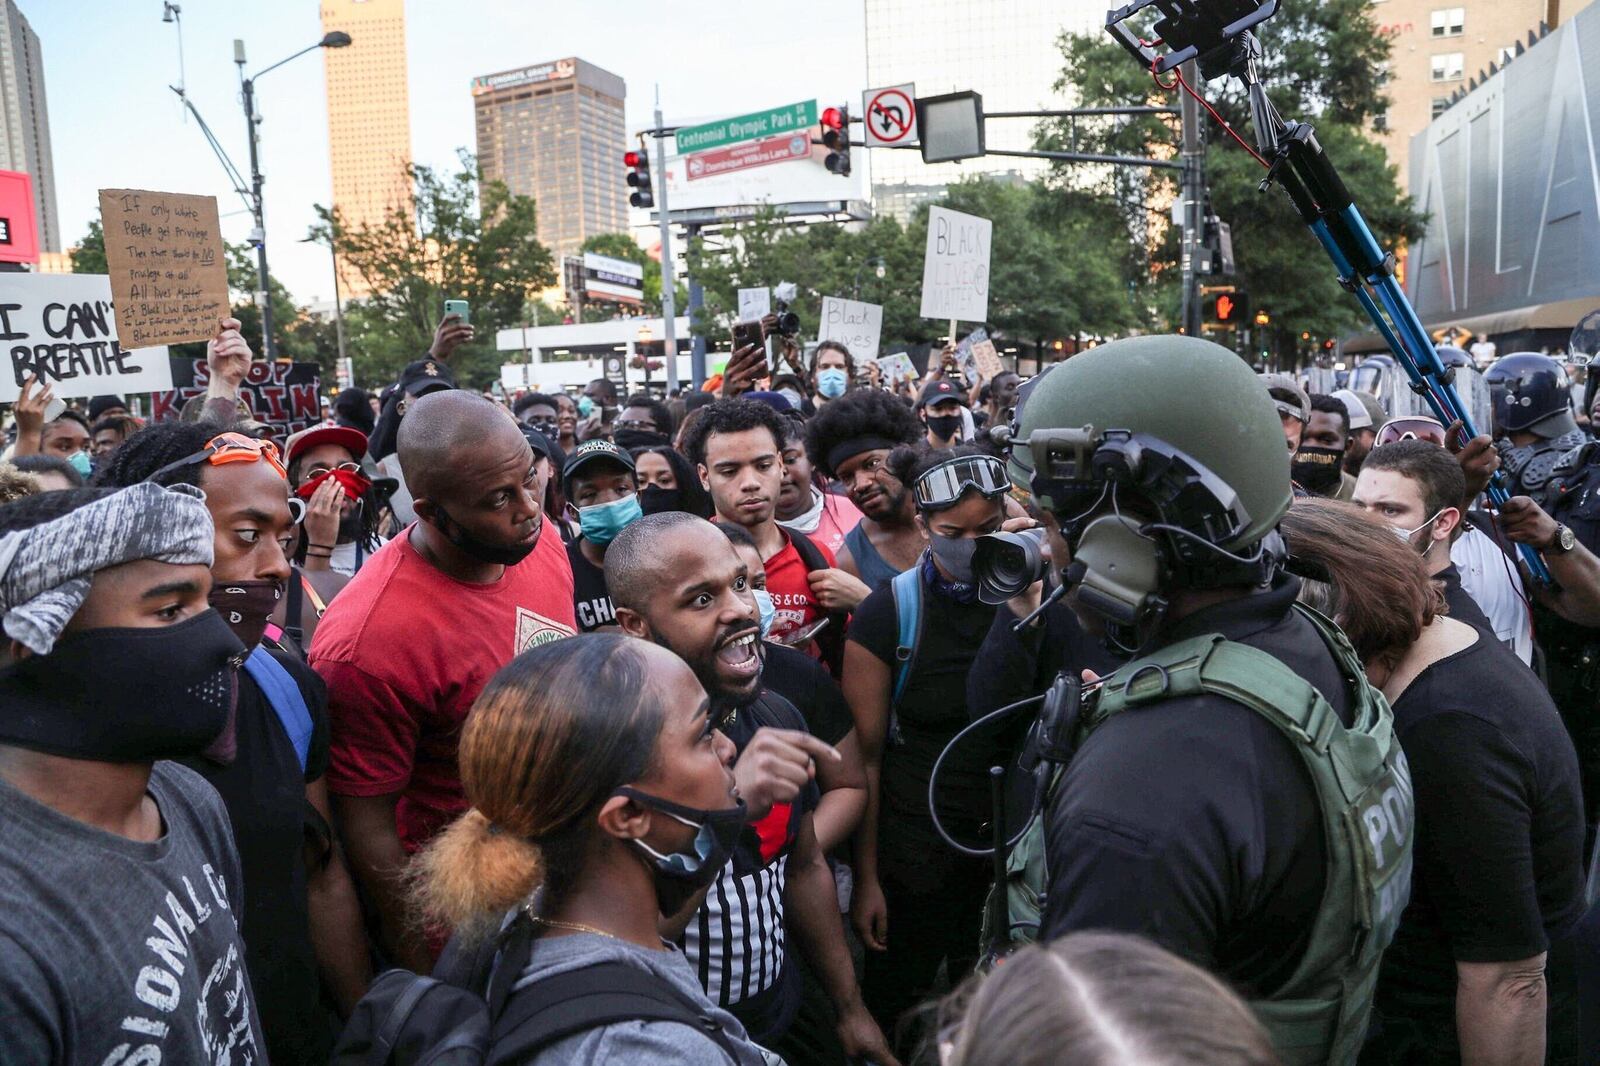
point(19, 232)
point(606, 278)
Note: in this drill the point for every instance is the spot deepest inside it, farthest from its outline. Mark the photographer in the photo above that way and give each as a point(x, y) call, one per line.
point(916, 902)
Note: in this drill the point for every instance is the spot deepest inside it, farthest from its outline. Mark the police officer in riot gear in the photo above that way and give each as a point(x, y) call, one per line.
point(1205, 794)
point(1532, 399)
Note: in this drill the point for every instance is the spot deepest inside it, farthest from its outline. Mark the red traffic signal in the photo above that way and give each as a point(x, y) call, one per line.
point(833, 118)
point(630, 159)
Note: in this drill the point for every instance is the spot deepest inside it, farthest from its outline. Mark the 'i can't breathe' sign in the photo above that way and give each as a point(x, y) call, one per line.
point(61, 327)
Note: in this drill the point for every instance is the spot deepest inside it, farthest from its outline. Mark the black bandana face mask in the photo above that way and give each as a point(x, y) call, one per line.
point(246, 607)
point(653, 499)
point(1317, 469)
point(125, 695)
point(480, 549)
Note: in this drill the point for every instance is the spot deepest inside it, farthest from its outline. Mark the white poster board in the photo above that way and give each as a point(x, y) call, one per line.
point(754, 304)
point(955, 266)
point(854, 324)
point(61, 327)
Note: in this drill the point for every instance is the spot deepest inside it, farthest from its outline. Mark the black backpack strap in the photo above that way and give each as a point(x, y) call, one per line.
point(580, 1000)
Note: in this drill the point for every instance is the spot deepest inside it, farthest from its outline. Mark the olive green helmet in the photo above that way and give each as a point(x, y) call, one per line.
point(1197, 397)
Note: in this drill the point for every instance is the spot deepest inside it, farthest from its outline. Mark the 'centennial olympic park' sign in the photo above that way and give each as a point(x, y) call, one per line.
point(751, 127)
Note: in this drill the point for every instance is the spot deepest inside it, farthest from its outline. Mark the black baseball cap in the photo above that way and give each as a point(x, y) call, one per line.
point(425, 376)
point(592, 451)
point(934, 391)
point(543, 445)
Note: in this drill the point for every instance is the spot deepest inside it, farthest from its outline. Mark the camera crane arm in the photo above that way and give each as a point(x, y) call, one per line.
point(1218, 35)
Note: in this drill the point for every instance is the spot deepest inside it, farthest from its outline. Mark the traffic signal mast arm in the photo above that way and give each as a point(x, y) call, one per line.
point(1296, 161)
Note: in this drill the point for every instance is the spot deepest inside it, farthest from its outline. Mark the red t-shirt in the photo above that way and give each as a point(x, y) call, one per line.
point(405, 650)
point(790, 590)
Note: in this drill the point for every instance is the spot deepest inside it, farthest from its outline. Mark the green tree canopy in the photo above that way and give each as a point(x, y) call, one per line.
point(1323, 63)
point(463, 239)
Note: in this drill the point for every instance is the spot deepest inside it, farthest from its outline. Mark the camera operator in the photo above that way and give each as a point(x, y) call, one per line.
point(1208, 820)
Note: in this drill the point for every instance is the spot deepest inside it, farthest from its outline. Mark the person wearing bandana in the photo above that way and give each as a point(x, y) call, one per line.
point(1318, 464)
point(301, 918)
point(120, 889)
point(917, 904)
point(327, 459)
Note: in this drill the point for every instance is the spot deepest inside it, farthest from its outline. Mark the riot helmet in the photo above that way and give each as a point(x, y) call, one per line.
point(1162, 460)
point(1530, 393)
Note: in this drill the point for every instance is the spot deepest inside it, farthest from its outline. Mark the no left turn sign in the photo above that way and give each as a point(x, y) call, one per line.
point(890, 115)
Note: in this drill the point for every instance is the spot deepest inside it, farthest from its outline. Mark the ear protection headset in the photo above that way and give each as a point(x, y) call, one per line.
point(1124, 565)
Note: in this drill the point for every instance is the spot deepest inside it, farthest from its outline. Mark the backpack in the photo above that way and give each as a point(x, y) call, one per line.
point(906, 588)
point(472, 1018)
point(830, 642)
point(284, 697)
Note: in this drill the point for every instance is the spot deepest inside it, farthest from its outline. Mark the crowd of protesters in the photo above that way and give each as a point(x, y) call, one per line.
point(683, 728)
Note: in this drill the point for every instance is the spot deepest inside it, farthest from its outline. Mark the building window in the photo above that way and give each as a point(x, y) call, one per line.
point(1447, 66)
point(1440, 104)
point(1449, 21)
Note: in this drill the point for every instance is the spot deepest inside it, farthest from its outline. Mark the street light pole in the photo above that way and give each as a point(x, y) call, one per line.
point(258, 235)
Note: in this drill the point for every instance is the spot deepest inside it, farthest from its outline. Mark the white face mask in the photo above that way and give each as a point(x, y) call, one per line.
point(1406, 534)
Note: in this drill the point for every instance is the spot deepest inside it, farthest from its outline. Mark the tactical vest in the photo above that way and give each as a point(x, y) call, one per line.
point(1368, 812)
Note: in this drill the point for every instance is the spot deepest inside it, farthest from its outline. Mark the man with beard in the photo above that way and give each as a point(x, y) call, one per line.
point(778, 883)
point(849, 440)
point(412, 639)
point(1318, 464)
point(120, 889)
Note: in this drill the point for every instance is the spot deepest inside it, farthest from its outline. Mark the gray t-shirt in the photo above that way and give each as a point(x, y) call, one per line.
point(118, 951)
point(645, 1043)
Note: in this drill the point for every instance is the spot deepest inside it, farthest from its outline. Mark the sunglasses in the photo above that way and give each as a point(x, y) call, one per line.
point(227, 448)
point(1414, 427)
point(943, 485)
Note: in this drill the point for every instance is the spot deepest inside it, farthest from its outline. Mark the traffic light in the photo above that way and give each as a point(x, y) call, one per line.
point(638, 164)
point(836, 136)
point(1262, 318)
point(1225, 308)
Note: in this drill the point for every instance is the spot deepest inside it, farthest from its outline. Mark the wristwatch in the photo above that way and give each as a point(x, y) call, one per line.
point(1563, 541)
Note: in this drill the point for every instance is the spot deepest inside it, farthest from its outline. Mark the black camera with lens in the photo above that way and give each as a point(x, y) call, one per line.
point(1007, 563)
point(788, 323)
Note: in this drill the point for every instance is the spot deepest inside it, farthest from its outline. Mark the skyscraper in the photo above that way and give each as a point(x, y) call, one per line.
point(25, 121)
point(1006, 50)
point(554, 131)
point(369, 113)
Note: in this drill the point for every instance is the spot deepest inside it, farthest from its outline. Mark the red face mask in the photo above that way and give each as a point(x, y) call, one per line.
point(354, 483)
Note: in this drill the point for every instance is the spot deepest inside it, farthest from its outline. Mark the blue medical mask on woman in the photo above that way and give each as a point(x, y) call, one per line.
point(831, 382)
point(768, 611)
point(80, 462)
point(600, 523)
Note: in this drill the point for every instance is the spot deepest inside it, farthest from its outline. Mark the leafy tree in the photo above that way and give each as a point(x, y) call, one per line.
point(1323, 63)
point(89, 257)
point(464, 238)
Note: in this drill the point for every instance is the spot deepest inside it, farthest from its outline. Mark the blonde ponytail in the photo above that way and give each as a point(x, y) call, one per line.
point(471, 874)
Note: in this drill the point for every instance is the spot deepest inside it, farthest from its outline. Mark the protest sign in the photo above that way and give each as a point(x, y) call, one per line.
point(897, 367)
point(283, 395)
point(169, 278)
point(754, 304)
point(854, 324)
point(955, 266)
point(987, 358)
point(61, 327)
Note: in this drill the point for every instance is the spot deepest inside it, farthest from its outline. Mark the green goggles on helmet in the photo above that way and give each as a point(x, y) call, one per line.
point(1074, 468)
point(943, 485)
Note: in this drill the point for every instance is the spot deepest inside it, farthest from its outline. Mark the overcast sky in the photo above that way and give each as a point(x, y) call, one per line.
point(115, 124)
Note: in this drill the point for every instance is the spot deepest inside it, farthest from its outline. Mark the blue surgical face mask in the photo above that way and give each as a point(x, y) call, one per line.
point(768, 611)
point(831, 382)
point(585, 407)
point(80, 462)
point(602, 522)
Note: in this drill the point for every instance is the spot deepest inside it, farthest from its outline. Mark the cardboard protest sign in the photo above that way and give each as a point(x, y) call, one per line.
point(61, 327)
point(987, 357)
point(854, 324)
point(955, 266)
point(754, 304)
point(169, 277)
point(283, 395)
point(897, 367)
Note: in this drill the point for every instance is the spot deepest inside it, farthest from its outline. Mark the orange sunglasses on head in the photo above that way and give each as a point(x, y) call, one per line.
point(229, 448)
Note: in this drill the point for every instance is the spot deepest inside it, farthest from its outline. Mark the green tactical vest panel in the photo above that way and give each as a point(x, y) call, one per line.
point(1364, 793)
